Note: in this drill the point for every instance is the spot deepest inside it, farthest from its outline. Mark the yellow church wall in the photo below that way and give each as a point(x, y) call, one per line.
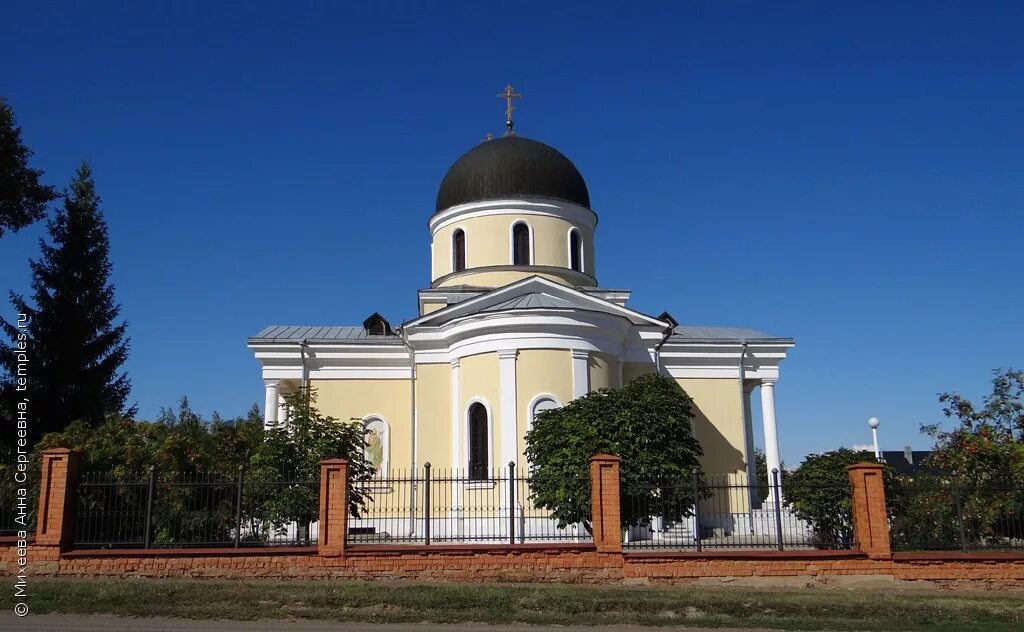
point(488, 242)
point(389, 399)
point(538, 372)
point(604, 371)
point(717, 423)
point(478, 380)
point(434, 414)
point(632, 370)
point(432, 307)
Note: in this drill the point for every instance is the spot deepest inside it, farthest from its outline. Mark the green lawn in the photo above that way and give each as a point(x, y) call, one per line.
point(790, 609)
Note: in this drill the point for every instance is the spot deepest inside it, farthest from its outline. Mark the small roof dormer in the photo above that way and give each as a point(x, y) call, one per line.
point(377, 325)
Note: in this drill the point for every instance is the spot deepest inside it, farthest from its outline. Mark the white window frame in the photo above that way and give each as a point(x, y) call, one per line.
point(468, 446)
point(512, 242)
point(568, 244)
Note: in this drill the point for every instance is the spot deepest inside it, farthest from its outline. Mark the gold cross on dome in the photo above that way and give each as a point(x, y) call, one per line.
point(508, 95)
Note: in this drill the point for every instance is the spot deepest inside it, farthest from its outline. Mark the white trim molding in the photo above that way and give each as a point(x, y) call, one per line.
point(572, 213)
point(534, 284)
point(333, 360)
point(456, 405)
point(580, 372)
point(531, 408)
point(700, 359)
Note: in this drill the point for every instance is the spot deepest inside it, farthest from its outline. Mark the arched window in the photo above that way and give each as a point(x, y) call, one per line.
point(575, 251)
point(520, 244)
point(541, 404)
point(478, 442)
point(458, 250)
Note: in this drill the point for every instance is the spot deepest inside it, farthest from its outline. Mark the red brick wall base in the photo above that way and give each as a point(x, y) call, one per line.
point(519, 563)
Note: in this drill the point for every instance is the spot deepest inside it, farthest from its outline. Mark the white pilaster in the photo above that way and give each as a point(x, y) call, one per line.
point(457, 464)
point(509, 414)
point(580, 372)
point(456, 418)
point(509, 421)
point(771, 433)
point(270, 404)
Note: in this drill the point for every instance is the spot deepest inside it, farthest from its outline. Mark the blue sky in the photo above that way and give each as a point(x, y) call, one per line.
point(850, 177)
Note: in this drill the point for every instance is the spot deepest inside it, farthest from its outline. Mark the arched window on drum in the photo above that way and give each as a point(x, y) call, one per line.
point(458, 250)
point(575, 250)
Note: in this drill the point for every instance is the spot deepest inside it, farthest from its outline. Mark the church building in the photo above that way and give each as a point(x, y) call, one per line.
point(514, 321)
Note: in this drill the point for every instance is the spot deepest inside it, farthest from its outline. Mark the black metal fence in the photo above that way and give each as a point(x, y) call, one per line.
point(194, 510)
point(451, 506)
point(727, 512)
point(932, 513)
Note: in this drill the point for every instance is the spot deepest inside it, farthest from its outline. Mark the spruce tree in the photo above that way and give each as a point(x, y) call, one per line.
point(23, 199)
point(74, 347)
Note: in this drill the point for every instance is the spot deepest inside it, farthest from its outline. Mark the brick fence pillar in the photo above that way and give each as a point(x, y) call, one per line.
point(604, 503)
point(870, 518)
point(55, 520)
point(333, 507)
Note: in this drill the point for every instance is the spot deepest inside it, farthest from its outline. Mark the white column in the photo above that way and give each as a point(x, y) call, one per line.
point(282, 411)
point(270, 404)
point(580, 372)
point(618, 371)
point(509, 414)
point(771, 433)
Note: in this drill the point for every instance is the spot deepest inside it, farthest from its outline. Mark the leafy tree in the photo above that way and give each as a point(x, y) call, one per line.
point(646, 423)
point(284, 471)
point(987, 443)
point(180, 447)
point(976, 473)
point(923, 514)
point(764, 485)
point(818, 492)
point(23, 199)
point(73, 343)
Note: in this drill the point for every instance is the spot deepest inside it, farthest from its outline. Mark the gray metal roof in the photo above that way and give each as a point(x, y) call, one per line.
point(351, 333)
point(684, 333)
point(533, 300)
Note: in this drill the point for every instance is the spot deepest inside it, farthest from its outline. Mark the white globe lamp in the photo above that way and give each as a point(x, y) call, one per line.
point(873, 424)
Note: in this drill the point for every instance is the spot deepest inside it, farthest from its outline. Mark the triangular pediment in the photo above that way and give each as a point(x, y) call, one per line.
point(533, 293)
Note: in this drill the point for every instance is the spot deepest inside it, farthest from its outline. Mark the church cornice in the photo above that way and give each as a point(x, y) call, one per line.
point(582, 277)
point(573, 213)
point(578, 298)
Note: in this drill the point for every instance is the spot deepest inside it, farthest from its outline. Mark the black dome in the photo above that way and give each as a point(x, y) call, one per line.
point(512, 167)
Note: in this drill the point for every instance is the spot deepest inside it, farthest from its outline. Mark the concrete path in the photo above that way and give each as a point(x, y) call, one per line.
point(103, 623)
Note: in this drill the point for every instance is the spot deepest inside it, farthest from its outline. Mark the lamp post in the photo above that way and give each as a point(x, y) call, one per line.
point(873, 423)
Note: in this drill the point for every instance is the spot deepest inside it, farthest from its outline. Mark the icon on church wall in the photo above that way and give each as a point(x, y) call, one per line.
point(375, 432)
